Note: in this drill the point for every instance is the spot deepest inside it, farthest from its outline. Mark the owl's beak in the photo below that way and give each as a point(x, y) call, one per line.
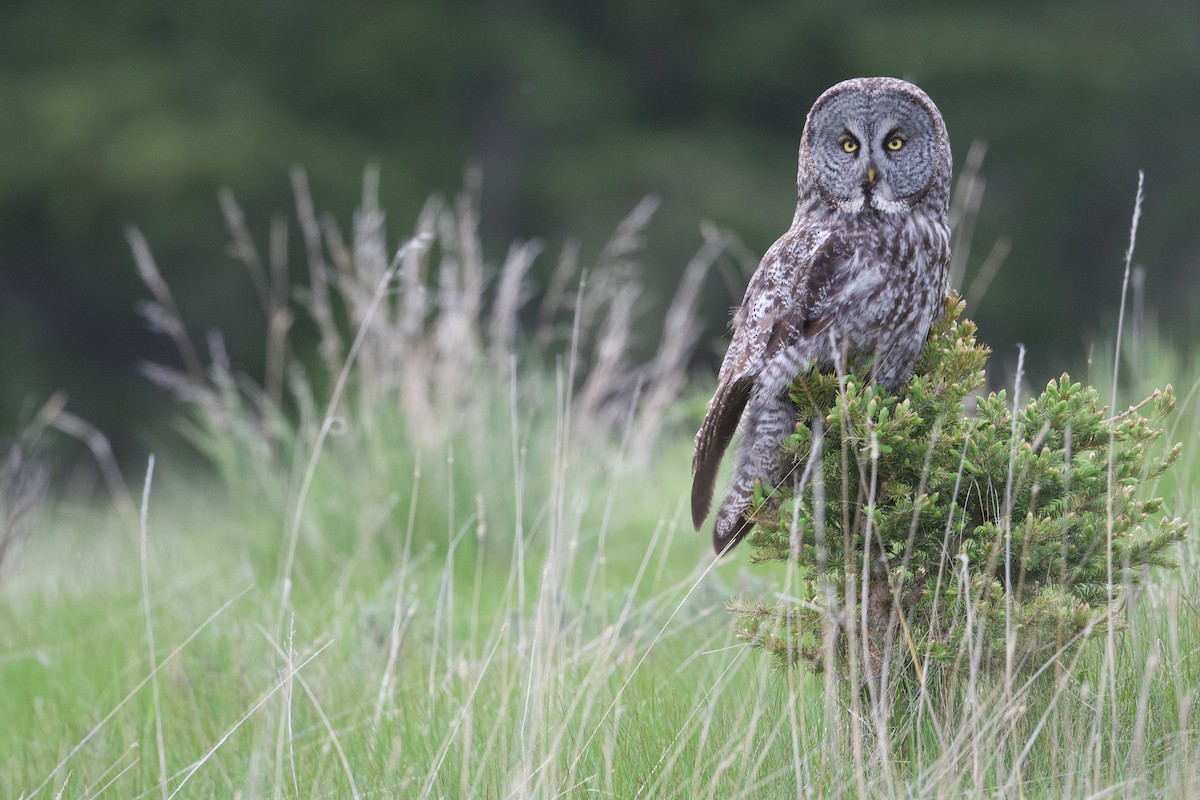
point(870, 174)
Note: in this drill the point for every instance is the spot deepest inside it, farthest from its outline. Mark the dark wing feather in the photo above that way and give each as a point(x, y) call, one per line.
point(718, 427)
point(808, 314)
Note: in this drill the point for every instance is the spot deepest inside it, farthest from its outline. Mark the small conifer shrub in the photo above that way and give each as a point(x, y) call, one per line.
point(920, 532)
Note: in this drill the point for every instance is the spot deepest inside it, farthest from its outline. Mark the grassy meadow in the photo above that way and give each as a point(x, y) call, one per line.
point(459, 563)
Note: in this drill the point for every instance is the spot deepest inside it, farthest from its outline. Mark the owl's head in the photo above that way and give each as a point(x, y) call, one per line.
point(875, 143)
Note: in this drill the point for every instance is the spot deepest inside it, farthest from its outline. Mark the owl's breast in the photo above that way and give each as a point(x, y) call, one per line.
point(888, 293)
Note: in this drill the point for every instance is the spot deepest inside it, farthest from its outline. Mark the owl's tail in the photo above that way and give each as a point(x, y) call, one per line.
point(770, 417)
point(732, 525)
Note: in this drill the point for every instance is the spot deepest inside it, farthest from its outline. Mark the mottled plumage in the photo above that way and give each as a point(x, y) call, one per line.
point(862, 271)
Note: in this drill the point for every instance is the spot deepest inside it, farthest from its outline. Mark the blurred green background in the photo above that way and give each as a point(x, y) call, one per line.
point(139, 111)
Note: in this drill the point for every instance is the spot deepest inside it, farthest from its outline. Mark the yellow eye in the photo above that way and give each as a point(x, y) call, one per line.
point(849, 145)
point(895, 143)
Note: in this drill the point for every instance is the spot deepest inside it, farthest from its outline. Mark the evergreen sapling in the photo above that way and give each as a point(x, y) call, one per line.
point(921, 534)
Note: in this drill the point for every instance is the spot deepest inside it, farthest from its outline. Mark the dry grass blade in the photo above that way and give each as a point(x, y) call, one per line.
point(151, 654)
point(101, 450)
point(163, 315)
point(964, 210)
point(511, 295)
point(1110, 659)
point(317, 299)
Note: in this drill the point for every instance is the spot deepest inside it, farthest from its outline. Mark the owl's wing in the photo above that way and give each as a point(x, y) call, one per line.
point(806, 312)
point(785, 302)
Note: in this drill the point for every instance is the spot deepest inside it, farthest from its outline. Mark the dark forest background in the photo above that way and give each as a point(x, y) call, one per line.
point(140, 111)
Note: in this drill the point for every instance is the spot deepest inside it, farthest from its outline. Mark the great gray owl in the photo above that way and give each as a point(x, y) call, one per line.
point(861, 272)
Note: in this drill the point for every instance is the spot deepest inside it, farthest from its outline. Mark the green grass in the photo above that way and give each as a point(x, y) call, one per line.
point(457, 577)
point(490, 678)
